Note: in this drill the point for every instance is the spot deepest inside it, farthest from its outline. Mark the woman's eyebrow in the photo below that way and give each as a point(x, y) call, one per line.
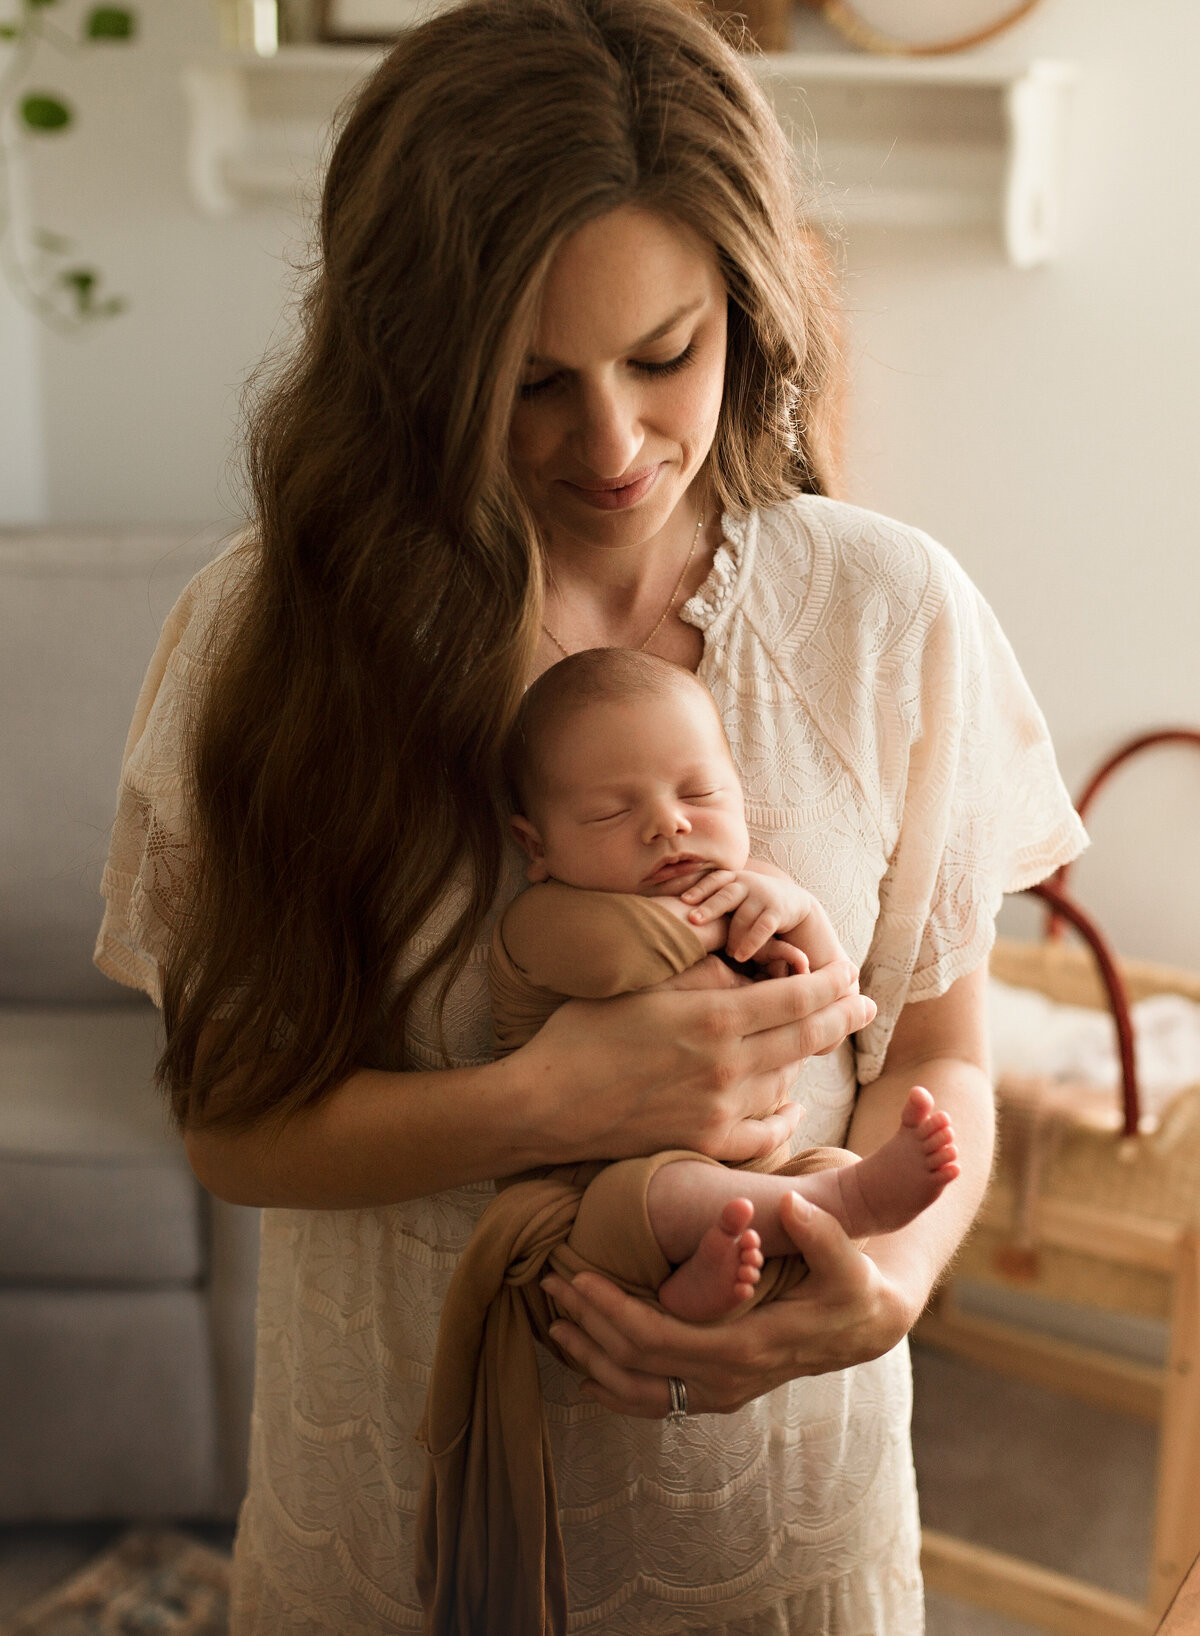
point(667, 325)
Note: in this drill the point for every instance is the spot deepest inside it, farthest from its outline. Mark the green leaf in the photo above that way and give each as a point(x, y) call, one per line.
point(44, 113)
point(53, 243)
point(109, 23)
point(81, 281)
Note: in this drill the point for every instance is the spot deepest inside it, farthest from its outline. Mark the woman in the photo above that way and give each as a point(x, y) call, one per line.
point(560, 386)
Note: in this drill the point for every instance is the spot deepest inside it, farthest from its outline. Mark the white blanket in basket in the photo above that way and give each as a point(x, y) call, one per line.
point(1073, 1045)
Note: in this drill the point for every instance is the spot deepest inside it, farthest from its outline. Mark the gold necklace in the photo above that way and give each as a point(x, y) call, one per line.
point(566, 652)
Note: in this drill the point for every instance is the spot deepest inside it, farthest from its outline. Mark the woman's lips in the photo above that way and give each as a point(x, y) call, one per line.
point(617, 499)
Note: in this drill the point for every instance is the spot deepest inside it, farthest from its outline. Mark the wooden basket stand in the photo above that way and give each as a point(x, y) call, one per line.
point(1111, 1220)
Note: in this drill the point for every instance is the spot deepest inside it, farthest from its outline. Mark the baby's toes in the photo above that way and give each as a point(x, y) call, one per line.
point(935, 1128)
point(918, 1106)
point(938, 1137)
point(737, 1216)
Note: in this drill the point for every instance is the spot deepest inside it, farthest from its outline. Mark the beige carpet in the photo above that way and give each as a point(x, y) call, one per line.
point(1032, 1473)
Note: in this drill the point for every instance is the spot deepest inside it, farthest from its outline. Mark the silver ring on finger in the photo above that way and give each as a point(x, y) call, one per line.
point(679, 1403)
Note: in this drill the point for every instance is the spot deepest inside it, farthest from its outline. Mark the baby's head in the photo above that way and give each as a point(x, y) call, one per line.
point(622, 777)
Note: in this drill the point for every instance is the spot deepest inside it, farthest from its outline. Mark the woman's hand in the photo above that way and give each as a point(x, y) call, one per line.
point(853, 1306)
point(677, 1067)
point(848, 1310)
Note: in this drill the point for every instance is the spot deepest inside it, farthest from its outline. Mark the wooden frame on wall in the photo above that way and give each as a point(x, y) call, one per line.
point(370, 22)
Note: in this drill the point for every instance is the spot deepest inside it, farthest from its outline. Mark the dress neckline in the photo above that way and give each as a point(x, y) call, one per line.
point(721, 588)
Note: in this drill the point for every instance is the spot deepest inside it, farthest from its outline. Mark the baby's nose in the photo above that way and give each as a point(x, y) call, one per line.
point(669, 819)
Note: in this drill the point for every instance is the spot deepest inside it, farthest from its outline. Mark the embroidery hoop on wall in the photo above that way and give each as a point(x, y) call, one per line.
point(843, 17)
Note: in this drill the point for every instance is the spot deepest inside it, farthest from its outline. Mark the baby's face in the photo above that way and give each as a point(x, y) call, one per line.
point(638, 796)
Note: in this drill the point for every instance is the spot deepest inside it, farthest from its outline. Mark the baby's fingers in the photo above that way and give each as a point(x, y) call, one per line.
point(750, 930)
point(706, 886)
point(722, 899)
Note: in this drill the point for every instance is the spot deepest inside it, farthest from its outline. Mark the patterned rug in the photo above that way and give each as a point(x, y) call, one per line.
point(152, 1582)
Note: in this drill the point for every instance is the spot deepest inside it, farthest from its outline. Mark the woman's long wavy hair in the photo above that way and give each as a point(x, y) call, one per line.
point(345, 759)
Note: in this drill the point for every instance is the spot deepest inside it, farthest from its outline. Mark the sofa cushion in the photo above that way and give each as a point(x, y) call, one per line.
point(106, 1407)
point(95, 1188)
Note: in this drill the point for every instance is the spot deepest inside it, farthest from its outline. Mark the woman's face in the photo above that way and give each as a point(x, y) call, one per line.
point(623, 386)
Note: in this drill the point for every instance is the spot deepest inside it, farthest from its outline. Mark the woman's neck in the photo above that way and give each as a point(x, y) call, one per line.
point(612, 596)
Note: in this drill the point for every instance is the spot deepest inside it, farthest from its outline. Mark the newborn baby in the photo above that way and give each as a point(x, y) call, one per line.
point(632, 816)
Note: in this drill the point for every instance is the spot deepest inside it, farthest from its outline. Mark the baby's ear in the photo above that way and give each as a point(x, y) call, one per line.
point(530, 842)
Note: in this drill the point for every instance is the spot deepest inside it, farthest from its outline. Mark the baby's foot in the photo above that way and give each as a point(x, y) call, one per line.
point(891, 1186)
point(722, 1271)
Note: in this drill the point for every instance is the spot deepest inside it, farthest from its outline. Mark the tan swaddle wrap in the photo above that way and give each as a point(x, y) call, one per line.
point(489, 1551)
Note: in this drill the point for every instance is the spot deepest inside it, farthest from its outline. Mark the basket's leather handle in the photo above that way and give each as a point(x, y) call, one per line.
point(1114, 986)
point(1060, 907)
point(1122, 754)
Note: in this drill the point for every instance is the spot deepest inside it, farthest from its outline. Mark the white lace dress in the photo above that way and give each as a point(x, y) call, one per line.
point(894, 763)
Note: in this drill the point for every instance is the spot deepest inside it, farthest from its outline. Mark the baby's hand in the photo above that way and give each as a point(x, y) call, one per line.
point(780, 959)
point(759, 906)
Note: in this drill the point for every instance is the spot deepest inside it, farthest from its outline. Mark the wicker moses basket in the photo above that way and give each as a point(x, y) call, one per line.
point(1097, 1211)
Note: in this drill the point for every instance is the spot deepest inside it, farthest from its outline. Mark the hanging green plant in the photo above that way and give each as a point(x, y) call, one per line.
point(36, 264)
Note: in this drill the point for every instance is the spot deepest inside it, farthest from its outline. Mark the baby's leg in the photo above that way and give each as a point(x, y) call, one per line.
point(720, 1255)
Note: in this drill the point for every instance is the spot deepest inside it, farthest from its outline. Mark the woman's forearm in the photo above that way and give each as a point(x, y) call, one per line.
point(917, 1254)
point(380, 1138)
point(602, 1079)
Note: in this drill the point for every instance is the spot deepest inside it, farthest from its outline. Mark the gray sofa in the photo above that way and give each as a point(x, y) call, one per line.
point(126, 1292)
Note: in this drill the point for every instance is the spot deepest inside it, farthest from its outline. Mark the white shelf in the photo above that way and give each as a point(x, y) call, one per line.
point(900, 144)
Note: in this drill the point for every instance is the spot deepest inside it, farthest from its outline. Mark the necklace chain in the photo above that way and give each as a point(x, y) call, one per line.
point(566, 652)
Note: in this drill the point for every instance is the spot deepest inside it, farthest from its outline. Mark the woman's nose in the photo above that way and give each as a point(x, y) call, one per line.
point(609, 434)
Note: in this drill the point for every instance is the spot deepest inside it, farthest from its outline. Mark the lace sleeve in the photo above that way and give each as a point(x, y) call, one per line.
point(982, 809)
point(143, 880)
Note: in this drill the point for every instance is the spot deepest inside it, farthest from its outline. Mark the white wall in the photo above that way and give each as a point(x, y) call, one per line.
point(1042, 424)
point(140, 412)
point(22, 442)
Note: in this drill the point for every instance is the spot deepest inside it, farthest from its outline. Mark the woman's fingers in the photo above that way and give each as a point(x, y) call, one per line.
point(603, 1353)
point(774, 1005)
point(784, 959)
point(819, 1238)
point(625, 1391)
point(614, 1326)
point(629, 1348)
point(785, 1022)
point(756, 1138)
